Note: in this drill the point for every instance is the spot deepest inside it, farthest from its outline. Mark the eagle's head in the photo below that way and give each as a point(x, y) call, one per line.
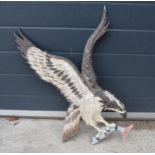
point(113, 104)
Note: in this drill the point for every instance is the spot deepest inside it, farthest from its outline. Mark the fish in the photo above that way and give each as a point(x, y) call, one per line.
point(100, 136)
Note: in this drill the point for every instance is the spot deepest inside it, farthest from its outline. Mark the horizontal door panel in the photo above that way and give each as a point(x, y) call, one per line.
point(69, 40)
point(45, 103)
point(104, 64)
point(33, 103)
point(32, 85)
point(76, 14)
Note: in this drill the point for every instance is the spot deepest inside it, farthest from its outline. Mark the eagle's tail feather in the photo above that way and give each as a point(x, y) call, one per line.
point(72, 123)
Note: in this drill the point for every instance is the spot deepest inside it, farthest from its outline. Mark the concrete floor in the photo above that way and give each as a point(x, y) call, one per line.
point(44, 135)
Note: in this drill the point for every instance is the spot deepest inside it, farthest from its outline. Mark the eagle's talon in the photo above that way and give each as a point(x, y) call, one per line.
point(96, 140)
point(99, 137)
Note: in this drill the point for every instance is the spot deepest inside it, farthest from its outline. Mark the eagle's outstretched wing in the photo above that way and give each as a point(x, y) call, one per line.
point(88, 72)
point(56, 70)
point(63, 74)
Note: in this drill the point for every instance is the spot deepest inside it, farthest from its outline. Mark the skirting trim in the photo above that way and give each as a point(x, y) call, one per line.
point(61, 114)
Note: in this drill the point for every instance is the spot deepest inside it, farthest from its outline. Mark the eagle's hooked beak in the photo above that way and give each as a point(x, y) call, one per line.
point(124, 115)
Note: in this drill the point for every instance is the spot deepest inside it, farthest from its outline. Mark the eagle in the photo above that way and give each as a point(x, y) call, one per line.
point(87, 100)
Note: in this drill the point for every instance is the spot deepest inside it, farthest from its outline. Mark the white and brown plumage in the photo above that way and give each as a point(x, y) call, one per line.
point(84, 102)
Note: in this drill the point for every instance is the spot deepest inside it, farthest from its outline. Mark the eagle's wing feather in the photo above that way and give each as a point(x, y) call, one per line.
point(88, 72)
point(57, 70)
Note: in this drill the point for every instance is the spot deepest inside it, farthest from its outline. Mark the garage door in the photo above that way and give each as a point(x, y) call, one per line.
point(124, 59)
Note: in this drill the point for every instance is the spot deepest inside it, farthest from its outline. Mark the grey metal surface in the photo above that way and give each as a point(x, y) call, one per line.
point(124, 58)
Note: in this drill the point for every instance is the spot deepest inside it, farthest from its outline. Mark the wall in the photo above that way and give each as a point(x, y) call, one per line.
point(124, 59)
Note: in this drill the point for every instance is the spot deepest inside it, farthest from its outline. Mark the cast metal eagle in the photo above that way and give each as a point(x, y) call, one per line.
point(87, 99)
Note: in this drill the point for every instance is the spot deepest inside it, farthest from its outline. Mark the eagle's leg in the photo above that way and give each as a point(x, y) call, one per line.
point(103, 128)
point(98, 123)
point(99, 119)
